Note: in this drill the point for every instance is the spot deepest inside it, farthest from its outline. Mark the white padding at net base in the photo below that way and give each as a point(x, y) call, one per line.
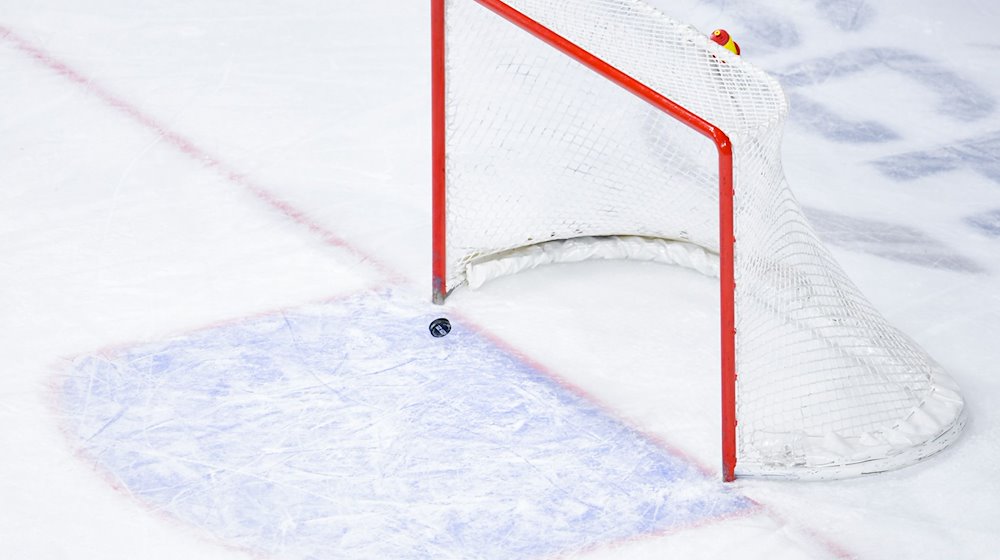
point(580, 249)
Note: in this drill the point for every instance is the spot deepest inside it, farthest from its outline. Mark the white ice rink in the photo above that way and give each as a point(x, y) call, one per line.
point(178, 181)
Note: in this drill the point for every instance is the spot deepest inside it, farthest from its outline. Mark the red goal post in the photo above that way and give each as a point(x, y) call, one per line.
point(713, 133)
point(831, 348)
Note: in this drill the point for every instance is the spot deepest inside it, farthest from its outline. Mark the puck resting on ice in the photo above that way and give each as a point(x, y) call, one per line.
point(440, 327)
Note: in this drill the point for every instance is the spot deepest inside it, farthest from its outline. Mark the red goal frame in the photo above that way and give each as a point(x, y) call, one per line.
point(722, 143)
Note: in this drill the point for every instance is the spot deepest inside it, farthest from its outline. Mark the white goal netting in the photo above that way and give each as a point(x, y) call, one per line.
point(540, 149)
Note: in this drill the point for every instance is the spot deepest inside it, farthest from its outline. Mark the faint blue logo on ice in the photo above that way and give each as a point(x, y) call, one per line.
point(980, 154)
point(890, 241)
point(987, 222)
point(957, 98)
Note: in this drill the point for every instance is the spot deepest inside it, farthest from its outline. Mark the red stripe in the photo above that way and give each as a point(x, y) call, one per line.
point(189, 148)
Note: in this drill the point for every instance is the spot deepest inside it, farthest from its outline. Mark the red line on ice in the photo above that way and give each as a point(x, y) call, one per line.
point(191, 149)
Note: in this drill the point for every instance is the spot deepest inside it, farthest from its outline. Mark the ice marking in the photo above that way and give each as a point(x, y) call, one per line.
point(189, 148)
point(761, 26)
point(980, 154)
point(987, 222)
point(959, 99)
point(889, 241)
point(346, 430)
point(846, 15)
point(828, 124)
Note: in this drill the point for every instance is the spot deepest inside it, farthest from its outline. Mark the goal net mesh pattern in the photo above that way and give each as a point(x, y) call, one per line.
point(541, 148)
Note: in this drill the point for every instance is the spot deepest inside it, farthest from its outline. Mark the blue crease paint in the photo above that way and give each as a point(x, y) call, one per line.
point(346, 431)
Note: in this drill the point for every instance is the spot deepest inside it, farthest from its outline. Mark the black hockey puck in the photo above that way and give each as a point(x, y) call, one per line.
point(440, 327)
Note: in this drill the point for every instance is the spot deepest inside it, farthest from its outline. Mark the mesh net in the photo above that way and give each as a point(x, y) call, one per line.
point(540, 148)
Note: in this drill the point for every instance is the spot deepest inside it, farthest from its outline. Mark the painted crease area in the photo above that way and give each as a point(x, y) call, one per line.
point(346, 430)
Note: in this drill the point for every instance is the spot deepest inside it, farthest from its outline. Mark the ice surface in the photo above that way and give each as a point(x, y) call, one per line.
point(889, 241)
point(117, 234)
point(977, 154)
point(348, 427)
point(987, 222)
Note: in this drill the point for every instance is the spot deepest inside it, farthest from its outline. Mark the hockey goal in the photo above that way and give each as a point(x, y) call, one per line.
point(602, 128)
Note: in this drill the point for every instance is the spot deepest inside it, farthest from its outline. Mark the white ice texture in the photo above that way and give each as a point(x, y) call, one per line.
point(214, 230)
